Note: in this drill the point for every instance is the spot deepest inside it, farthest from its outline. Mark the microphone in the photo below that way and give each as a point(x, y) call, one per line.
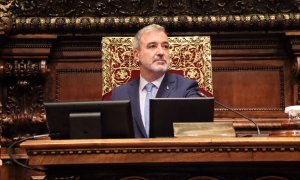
point(234, 111)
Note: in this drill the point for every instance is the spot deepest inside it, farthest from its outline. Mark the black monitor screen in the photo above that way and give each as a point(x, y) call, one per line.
point(165, 111)
point(89, 120)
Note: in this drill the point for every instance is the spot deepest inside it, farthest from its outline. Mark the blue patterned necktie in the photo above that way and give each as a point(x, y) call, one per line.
point(149, 88)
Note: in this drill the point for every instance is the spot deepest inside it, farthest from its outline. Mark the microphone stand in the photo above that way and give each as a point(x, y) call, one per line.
point(234, 111)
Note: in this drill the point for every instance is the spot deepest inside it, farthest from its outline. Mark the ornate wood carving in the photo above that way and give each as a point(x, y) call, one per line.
point(23, 104)
point(6, 15)
point(172, 23)
point(294, 39)
point(32, 16)
point(101, 8)
point(179, 158)
point(159, 146)
point(23, 67)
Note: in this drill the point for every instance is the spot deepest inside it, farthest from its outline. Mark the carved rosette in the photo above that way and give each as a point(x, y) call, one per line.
point(23, 111)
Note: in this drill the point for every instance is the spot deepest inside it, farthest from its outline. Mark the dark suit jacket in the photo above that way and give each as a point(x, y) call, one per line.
point(173, 86)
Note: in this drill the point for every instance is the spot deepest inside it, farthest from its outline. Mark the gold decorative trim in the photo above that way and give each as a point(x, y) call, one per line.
point(5, 15)
point(251, 22)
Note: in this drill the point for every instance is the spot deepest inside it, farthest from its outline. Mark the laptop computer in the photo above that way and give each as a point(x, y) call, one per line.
point(165, 111)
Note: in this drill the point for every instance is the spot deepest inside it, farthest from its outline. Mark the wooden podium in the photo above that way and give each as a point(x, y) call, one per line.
point(168, 158)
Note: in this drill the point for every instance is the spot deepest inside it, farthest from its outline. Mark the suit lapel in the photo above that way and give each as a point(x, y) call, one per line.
point(166, 87)
point(134, 96)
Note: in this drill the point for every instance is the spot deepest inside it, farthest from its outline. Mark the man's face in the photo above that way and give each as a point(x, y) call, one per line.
point(153, 54)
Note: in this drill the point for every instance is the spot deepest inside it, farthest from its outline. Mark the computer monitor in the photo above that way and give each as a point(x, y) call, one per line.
point(165, 111)
point(89, 120)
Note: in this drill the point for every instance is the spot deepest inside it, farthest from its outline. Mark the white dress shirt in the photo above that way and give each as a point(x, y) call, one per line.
point(143, 92)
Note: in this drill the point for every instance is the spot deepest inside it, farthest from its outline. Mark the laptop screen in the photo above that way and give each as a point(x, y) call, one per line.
point(165, 111)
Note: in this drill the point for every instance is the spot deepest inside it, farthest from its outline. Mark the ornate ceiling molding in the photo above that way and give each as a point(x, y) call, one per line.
point(253, 22)
point(35, 16)
point(118, 8)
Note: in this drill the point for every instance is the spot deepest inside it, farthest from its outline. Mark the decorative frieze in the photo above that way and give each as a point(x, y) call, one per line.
point(27, 16)
point(104, 8)
point(161, 150)
point(176, 23)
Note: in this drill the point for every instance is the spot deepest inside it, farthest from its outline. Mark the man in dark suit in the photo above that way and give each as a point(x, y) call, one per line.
point(151, 52)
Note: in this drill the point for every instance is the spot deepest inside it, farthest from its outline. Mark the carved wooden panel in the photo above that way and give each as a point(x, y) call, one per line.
point(23, 64)
point(75, 69)
point(252, 74)
point(75, 82)
point(251, 88)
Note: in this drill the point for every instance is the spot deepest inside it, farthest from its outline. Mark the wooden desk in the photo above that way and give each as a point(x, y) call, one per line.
point(168, 158)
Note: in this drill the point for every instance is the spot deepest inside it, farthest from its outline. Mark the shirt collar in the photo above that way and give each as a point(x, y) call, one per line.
point(156, 82)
